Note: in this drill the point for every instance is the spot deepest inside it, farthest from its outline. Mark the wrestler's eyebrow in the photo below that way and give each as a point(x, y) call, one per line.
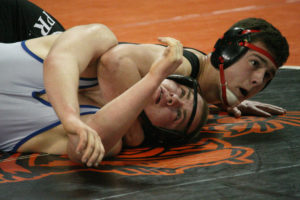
point(261, 59)
point(272, 71)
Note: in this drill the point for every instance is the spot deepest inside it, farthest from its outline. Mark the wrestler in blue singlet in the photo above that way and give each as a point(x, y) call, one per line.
point(23, 114)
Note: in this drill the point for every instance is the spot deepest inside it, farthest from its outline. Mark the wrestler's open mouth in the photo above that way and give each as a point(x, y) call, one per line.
point(159, 97)
point(243, 92)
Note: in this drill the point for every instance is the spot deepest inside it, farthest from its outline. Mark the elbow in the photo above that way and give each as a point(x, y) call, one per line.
point(105, 35)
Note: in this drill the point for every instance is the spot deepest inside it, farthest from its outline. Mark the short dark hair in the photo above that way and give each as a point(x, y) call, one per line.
point(270, 36)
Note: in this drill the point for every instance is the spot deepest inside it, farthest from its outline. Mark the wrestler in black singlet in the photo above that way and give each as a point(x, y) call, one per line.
point(21, 20)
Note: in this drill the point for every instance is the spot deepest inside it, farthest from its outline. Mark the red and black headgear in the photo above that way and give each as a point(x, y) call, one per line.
point(233, 45)
point(230, 48)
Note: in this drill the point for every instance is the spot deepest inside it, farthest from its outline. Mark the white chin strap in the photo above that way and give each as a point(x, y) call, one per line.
point(227, 97)
point(232, 100)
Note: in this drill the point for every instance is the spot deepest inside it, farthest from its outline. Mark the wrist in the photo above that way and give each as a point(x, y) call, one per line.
point(154, 78)
point(70, 122)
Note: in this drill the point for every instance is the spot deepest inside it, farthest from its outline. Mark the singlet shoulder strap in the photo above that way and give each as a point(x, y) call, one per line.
point(193, 59)
point(190, 56)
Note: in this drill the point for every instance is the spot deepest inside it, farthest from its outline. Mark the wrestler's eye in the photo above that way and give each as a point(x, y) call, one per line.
point(178, 115)
point(182, 93)
point(254, 63)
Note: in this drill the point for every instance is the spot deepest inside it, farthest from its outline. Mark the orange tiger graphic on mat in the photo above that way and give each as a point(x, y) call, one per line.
point(232, 127)
point(209, 151)
point(138, 161)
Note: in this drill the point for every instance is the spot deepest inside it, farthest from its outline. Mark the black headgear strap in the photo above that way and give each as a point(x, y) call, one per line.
point(169, 137)
point(233, 45)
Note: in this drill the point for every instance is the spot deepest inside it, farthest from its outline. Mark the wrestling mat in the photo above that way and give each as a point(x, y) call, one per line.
point(246, 158)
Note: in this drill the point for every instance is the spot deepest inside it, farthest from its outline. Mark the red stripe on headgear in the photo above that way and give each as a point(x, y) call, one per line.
point(260, 50)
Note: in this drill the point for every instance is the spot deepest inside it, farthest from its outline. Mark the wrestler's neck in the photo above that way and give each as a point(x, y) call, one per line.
point(209, 80)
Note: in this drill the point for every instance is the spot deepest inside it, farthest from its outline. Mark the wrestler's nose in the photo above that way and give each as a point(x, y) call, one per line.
point(174, 100)
point(258, 78)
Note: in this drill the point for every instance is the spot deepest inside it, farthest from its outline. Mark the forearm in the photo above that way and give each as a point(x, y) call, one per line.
point(61, 85)
point(114, 120)
point(124, 110)
point(70, 56)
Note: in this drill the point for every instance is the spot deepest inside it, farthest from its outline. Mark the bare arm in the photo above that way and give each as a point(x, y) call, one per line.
point(71, 54)
point(126, 108)
point(117, 73)
point(125, 64)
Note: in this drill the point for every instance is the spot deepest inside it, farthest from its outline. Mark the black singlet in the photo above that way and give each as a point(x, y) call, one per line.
point(22, 20)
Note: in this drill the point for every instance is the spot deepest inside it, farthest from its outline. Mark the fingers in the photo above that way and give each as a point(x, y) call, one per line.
point(94, 151)
point(97, 154)
point(88, 145)
point(250, 108)
point(166, 40)
point(82, 142)
point(256, 108)
point(258, 112)
point(88, 150)
point(170, 60)
point(274, 110)
point(174, 46)
point(101, 154)
point(263, 109)
point(169, 41)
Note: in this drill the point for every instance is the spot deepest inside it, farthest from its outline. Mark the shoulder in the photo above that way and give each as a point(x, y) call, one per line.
point(133, 49)
point(137, 53)
point(42, 45)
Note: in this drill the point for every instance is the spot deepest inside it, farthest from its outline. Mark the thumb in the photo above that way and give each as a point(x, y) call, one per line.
point(235, 112)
